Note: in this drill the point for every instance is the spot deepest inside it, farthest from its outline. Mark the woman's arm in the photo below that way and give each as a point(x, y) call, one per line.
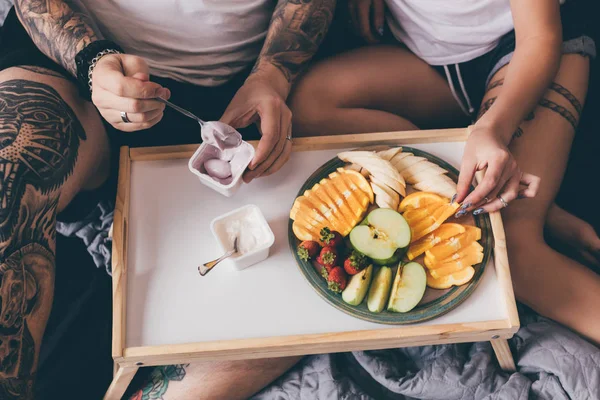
point(57, 29)
point(532, 68)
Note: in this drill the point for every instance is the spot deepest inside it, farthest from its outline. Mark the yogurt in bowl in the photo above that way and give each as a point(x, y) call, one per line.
point(222, 158)
point(254, 235)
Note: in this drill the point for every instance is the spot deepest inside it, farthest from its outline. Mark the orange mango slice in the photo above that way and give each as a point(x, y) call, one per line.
point(450, 246)
point(456, 279)
point(444, 269)
point(434, 221)
point(413, 215)
point(445, 231)
point(420, 199)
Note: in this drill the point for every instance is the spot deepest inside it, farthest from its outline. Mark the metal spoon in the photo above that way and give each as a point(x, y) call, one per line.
point(207, 267)
point(181, 110)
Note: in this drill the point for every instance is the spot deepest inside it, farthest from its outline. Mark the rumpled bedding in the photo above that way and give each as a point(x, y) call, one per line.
point(552, 363)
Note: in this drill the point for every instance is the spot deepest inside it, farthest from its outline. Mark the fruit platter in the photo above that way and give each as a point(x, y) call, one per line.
point(374, 233)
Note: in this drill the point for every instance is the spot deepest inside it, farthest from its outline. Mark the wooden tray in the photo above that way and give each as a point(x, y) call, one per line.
point(147, 293)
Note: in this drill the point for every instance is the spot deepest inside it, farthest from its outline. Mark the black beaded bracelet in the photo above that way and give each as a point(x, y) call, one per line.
point(87, 58)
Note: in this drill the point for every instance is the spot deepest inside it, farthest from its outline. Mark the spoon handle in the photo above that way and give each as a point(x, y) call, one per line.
point(181, 110)
point(207, 267)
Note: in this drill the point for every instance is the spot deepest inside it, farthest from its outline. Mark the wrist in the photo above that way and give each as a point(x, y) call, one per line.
point(86, 61)
point(499, 128)
point(272, 76)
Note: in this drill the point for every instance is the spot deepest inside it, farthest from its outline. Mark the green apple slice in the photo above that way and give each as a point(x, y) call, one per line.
point(380, 290)
point(409, 287)
point(357, 288)
point(380, 235)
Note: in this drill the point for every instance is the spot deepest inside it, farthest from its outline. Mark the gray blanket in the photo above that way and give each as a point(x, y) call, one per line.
point(552, 363)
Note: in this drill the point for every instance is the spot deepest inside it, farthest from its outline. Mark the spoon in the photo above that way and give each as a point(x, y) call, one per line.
point(207, 267)
point(181, 110)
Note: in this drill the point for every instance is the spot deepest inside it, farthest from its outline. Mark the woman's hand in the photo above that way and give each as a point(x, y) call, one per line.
point(503, 178)
point(121, 83)
point(368, 18)
point(258, 101)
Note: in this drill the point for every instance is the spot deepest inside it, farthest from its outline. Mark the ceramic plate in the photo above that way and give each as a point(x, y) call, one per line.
point(435, 302)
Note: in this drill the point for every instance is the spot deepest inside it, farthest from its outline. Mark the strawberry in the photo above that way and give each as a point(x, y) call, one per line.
point(308, 250)
point(337, 280)
point(327, 257)
point(330, 238)
point(326, 270)
point(355, 263)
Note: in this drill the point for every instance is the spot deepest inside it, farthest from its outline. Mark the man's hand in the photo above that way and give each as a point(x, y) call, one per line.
point(258, 101)
point(121, 82)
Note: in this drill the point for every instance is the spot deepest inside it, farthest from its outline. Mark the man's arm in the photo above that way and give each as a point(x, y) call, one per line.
point(57, 29)
point(296, 31)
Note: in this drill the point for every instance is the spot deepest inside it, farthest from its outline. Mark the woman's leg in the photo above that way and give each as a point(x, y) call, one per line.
point(382, 88)
point(549, 282)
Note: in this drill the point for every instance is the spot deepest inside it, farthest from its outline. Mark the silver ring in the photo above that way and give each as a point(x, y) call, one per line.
point(504, 203)
point(125, 118)
point(289, 137)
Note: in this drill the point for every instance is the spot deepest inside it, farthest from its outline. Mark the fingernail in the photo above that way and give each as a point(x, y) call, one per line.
point(460, 214)
point(380, 30)
point(478, 211)
point(453, 199)
point(465, 206)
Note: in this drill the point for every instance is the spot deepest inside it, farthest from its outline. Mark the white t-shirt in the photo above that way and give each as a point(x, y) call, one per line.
point(204, 42)
point(444, 32)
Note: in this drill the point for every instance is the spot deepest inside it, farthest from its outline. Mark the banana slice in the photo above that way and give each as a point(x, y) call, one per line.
point(389, 153)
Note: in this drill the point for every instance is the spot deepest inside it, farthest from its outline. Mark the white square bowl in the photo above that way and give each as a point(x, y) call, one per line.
point(261, 253)
point(225, 190)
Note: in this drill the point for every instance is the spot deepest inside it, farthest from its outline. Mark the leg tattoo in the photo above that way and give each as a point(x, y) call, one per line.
point(560, 110)
point(39, 141)
point(159, 382)
point(557, 108)
point(567, 95)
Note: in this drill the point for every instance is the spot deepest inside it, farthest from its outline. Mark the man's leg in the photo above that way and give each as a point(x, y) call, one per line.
point(229, 380)
point(52, 145)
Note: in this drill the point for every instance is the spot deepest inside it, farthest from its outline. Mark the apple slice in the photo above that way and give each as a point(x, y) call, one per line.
point(408, 289)
point(380, 235)
point(380, 290)
point(357, 288)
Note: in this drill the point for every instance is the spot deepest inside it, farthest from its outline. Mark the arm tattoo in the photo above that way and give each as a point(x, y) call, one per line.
point(296, 31)
point(58, 30)
point(39, 141)
point(159, 382)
